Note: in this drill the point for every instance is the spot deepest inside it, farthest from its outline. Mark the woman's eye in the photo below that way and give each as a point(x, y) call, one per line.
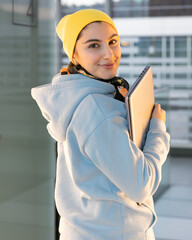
point(94, 45)
point(113, 42)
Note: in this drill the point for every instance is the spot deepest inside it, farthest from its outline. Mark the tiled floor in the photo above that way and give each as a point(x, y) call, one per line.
point(174, 208)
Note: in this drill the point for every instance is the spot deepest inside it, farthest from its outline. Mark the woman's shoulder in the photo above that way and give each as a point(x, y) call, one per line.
point(103, 105)
point(108, 105)
point(93, 111)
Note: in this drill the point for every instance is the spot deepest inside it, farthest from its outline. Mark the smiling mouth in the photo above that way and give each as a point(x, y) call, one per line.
point(107, 66)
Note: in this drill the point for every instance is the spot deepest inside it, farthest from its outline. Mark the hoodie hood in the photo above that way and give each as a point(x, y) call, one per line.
point(59, 100)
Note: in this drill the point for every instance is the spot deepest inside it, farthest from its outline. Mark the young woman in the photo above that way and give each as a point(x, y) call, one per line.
point(104, 183)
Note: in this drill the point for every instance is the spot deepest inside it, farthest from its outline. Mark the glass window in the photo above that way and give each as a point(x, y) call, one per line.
point(27, 152)
point(71, 6)
point(168, 47)
point(149, 47)
point(153, 8)
point(130, 8)
point(180, 47)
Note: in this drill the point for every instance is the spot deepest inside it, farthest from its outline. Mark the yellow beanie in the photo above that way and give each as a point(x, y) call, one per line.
point(71, 25)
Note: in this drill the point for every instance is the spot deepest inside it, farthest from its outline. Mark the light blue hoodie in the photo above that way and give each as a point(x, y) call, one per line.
point(104, 183)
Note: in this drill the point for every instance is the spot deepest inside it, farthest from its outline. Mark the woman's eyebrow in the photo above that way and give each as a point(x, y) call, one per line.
point(114, 35)
point(97, 40)
point(92, 40)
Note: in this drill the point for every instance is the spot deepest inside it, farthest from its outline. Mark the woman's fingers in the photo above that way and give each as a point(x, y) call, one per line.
point(159, 113)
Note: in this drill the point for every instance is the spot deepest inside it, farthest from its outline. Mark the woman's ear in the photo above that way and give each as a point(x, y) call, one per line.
point(74, 61)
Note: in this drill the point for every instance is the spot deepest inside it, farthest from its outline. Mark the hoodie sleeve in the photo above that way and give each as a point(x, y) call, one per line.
point(132, 171)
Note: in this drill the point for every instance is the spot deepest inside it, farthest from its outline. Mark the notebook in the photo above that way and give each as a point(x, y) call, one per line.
point(139, 103)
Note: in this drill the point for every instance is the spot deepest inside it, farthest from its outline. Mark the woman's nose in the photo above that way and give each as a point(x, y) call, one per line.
point(107, 52)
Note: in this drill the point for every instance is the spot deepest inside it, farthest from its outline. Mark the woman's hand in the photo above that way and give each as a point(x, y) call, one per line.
point(159, 113)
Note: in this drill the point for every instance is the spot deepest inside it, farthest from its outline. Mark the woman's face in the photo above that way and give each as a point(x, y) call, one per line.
point(98, 50)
